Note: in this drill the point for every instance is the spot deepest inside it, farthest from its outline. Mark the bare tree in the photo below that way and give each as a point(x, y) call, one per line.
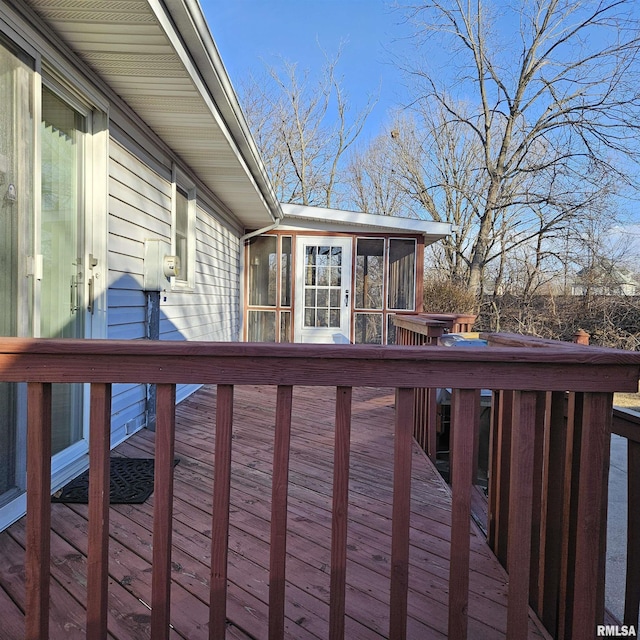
point(303, 129)
point(373, 182)
point(546, 90)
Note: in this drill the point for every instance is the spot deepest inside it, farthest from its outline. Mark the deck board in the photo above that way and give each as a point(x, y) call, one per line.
point(308, 538)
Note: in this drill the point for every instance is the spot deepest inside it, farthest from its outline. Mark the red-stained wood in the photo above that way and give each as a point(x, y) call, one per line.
point(432, 423)
point(588, 599)
point(99, 488)
point(464, 419)
point(632, 591)
point(220, 509)
point(401, 514)
point(537, 521)
point(569, 513)
point(38, 551)
point(279, 495)
point(342, 443)
point(520, 506)
point(308, 537)
point(539, 369)
point(551, 533)
point(163, 511)
point(500, 476)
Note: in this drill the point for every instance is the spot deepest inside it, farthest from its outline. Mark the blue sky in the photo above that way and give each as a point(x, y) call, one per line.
point(250, 33)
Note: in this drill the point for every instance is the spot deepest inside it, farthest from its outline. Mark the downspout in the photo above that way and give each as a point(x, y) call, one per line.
point(243, 239)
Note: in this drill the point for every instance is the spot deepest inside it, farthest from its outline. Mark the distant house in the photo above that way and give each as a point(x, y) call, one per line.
point(604, 279)
point(134, 204)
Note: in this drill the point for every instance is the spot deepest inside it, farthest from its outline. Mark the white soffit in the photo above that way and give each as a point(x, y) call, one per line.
point(318, 218)
point(160, 58)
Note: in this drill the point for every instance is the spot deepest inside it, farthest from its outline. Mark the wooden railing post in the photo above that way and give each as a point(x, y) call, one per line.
point(279, 492)
point(220, 516)
point(575, 402)
point(626, 424)
point(553, 506)
point(538, 498)
point(520, 510)
point(464, 421)
point(99, 490)
point(499, 478)
point(38, 548)
point(401, 514)
point(340, 513)
point(632, 591)
point(590, 538)
point(163, 511)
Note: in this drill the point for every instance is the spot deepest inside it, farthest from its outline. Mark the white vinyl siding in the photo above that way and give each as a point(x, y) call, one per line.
point(140, 208)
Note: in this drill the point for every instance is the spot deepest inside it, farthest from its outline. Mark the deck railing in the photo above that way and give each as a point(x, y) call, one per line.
point(627, 425)
point(521, 374)
point(560, 453)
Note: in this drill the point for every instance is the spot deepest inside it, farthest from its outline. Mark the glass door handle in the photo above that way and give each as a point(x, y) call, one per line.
point(90, 304)
point(346, 298)
point(73, 291)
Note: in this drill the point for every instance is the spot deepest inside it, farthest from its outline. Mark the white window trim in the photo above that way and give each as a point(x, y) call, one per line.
point(186, 282)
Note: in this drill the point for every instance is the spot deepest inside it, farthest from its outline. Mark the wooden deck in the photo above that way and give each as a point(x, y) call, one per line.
point(308, 541)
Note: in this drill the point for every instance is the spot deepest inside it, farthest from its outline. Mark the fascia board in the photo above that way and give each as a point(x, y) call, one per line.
point(176, 20)
point(373, 221)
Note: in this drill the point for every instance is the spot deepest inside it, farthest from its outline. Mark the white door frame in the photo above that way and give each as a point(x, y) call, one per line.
point(334, 296)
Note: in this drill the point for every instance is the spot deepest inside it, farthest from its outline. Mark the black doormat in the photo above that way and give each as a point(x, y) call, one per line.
point(131, 483)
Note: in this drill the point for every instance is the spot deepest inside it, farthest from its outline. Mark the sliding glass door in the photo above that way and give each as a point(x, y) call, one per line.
point(46, 236)
point(62, 307)
point(16, 245)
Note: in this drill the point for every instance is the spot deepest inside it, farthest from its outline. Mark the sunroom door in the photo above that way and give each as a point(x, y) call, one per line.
point(322, 290)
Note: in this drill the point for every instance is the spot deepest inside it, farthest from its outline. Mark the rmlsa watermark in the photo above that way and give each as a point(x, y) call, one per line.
point(616, 631)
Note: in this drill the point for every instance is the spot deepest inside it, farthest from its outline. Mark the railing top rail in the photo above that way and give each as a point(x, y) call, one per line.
point(517, 340)
point(570, 353)
point(626, 424)
point(569, 368)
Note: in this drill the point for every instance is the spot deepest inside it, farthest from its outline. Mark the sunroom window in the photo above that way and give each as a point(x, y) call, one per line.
point(402, 273)
point(369, 273)
point(270, 277)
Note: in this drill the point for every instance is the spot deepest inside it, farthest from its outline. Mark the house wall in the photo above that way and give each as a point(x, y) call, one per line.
point(123, 197)
point(139, 209)
point(136, 205)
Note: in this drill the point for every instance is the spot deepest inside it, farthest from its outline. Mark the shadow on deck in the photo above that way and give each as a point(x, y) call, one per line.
point(308, 539)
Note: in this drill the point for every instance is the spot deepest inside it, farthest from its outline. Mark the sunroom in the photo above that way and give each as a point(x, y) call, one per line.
point(332, 276)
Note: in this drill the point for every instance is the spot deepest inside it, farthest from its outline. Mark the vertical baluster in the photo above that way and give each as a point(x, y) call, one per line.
point(432, 423)
point(632, 591)
point(99, 488)
point(553, 508)
point(38, 551)
point(537, 521)
point(464, 426)
point(588, 599)
point(279, 491)
point(400, 514)
point(163, 511)
point(498, 521)
point(340, 513)
point(569, 514)
point(520, 511)
point(220, 520)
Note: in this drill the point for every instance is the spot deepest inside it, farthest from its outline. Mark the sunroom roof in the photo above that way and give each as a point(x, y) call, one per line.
point(319, 218)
